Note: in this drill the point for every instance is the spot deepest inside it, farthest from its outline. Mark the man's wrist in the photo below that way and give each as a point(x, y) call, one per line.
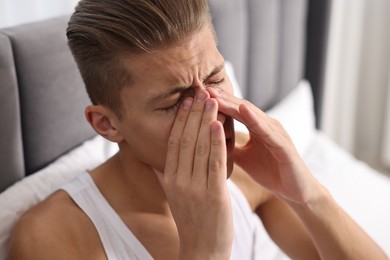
point(317, 206)
point(314, 200)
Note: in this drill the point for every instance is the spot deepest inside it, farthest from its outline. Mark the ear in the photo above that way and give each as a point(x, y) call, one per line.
point(104, 122)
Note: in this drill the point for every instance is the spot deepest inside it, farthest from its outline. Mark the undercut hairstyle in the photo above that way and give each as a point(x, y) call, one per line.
point(103, 33)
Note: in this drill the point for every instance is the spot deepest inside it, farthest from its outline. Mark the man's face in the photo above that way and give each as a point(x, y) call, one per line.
point(161, 80)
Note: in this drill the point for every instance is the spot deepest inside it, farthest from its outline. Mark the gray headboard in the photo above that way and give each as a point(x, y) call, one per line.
point(265, 41)
point(42, 97)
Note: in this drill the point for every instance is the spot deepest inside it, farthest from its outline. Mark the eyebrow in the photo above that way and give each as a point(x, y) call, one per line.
point(216, 70)
point(181, 89)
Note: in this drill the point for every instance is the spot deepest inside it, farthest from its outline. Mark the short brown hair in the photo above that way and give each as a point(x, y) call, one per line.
point(102, 32)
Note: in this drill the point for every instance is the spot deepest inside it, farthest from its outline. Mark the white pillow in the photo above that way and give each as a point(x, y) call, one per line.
point(31, 190)
point(295, 112)
point(232, 76)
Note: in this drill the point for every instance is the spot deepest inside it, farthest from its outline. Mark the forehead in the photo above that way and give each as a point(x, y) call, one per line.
point(190, 58)
point(165, 70)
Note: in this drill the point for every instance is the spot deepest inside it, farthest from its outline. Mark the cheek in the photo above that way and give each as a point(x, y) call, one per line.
point(158, 145)
point(164, 124)
point(162, 130)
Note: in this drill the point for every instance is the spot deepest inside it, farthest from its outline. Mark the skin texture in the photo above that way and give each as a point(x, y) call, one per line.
point(168, 182)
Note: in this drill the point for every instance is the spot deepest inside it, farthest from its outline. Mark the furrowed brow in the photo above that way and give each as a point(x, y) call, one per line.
point(215, 71)
point(181, 89)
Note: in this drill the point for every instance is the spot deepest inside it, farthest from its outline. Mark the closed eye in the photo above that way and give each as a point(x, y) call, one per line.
point(188, 92)
point(217, 82)
point(173, 107)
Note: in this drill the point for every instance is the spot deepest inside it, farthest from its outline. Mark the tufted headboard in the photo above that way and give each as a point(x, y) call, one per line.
point(272, 44)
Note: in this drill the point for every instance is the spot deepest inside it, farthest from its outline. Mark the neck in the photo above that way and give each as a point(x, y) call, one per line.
point(130, 185)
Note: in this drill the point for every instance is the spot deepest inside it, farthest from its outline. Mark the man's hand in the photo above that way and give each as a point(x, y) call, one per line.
point(272, 160)
point(194, 180)
point(269, 156)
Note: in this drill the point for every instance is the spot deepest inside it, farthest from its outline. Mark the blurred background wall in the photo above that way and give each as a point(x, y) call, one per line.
point(13, 12)
point(356, 112)
point(357, 86)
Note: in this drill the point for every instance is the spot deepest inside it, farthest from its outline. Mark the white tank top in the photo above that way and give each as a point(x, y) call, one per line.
point(120, 243)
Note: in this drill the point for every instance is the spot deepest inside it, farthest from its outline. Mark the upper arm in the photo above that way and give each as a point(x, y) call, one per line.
point(31, 240)
point(286, 229)
point(47, 231)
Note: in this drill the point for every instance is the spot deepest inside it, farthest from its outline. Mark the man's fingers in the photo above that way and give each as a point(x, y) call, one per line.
point(190, 135)
point(217, 161)
point(174, 141)
point(228, 104)
point(253, 121)
point(202, 150)
point(196, 147)
point(258, 122)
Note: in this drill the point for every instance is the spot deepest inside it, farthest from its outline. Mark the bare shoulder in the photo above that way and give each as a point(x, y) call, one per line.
point(54, 229)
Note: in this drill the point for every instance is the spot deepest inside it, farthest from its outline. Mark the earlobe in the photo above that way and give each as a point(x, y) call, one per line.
point(103, 122)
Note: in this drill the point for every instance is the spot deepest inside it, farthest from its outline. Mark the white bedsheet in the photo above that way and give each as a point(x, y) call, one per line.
point(361, 191)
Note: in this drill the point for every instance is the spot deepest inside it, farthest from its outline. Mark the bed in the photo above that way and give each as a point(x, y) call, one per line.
point(275, 52)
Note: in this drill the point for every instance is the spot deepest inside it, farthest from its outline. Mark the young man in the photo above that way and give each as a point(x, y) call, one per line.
point(159, 89)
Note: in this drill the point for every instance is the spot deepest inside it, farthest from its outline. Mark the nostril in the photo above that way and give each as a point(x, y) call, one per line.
point(221, 118)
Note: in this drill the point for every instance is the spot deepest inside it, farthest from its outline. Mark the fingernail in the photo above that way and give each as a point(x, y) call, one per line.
point(201, 96)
